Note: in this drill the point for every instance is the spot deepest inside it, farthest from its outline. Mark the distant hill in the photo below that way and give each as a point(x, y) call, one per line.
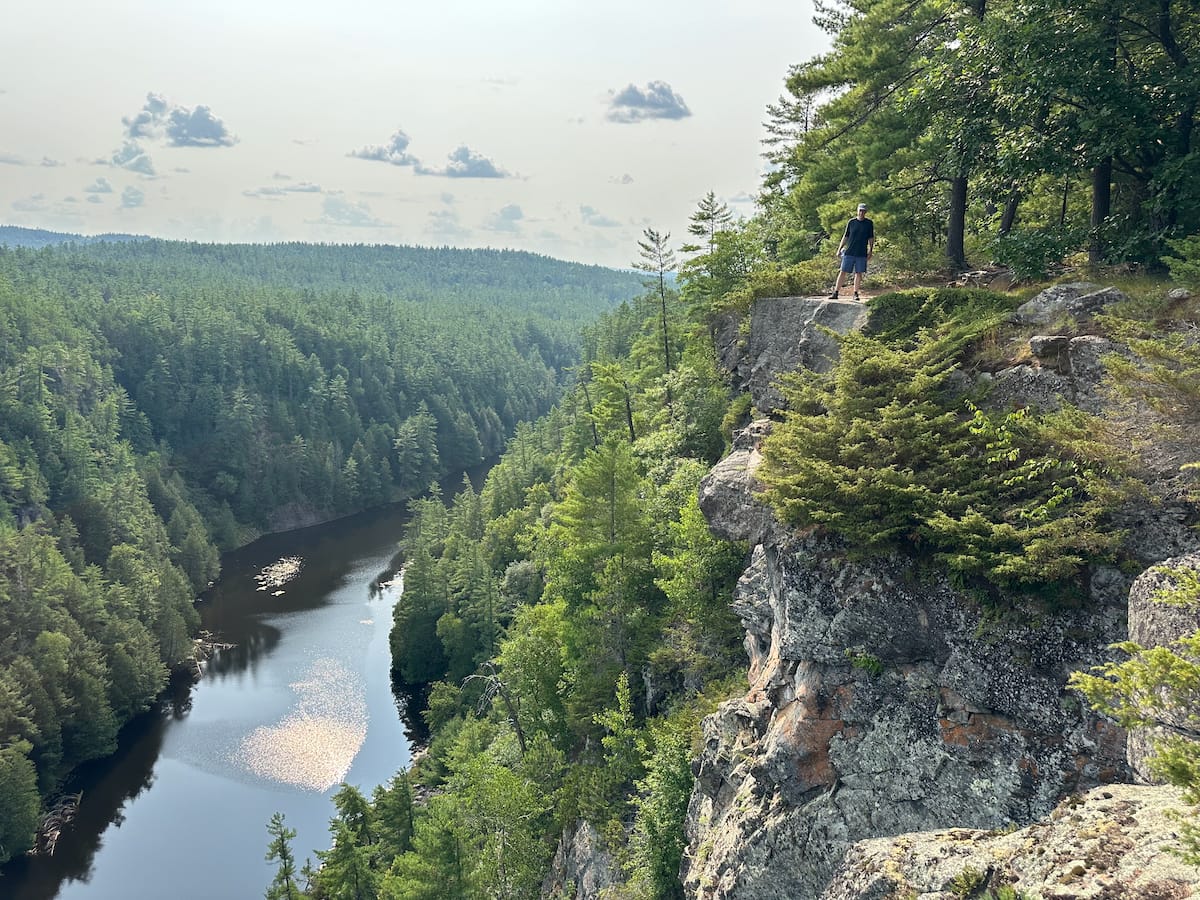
point(14, 236)
point(566, 292)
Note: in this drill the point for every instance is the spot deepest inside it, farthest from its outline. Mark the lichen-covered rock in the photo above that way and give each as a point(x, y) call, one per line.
point(881, 702)
point(582, 868)
point(1023, 386)
point(1070, 371)
point(1112, 843)
point(1050, 350)
point(1155, 624)
point(728, 494)
point(785, 333)
point(1077, 300)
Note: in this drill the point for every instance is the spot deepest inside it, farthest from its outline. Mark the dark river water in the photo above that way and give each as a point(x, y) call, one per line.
point(302, 703)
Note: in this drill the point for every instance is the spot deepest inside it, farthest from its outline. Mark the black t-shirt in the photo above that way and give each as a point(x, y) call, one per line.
point(858, 232)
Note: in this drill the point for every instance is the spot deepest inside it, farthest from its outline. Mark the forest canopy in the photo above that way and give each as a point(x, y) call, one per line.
point(160, 401)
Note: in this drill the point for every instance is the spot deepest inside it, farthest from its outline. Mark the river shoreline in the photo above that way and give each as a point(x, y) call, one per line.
point(198, 777)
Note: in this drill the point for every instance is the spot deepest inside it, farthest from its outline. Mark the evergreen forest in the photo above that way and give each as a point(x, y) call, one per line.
point(572, 618)
point(160, 402)
point(570, 621)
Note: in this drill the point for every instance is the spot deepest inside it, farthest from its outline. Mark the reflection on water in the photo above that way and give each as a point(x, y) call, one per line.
point(303, 701)
point(179, 811)
point(314, 745)
point(37, 878)
point(252, 645)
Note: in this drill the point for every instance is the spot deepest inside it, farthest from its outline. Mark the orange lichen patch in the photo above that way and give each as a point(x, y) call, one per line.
point(843, 697)
point(978, 730)
point(1111, 739)
point(813, 765)
point(806, 726)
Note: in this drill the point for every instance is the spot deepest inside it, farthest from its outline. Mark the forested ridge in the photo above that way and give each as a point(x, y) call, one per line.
point(160, 401)
point(572, 617)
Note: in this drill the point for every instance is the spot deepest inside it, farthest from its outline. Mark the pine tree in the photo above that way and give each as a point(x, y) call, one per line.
point(284, 886)
point(658, 259)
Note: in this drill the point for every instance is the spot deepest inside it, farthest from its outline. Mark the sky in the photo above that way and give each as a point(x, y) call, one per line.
point(563, 128)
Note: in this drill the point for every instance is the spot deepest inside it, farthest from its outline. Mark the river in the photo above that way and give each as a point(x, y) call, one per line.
point(302, 702)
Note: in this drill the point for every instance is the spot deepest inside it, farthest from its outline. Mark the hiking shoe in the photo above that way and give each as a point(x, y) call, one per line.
point(856, 300)
point(833, 295)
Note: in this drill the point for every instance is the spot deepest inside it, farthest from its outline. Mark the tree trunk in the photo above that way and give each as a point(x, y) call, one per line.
point(662, 294)
point(591, 416)
point(956, 253)
point(629, 413)
point(1009, 217)
point(1101, 207)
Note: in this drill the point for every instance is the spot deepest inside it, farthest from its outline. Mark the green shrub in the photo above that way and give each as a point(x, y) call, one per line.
point(865, 662)
point(1030, 252)
point(967, 882)
point(899, 315)
point(1185, 265)
point(885, 452)
point(807, 278)
point(737, 415)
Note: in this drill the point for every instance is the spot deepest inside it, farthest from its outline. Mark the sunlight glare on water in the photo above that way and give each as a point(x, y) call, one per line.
point(313, 746)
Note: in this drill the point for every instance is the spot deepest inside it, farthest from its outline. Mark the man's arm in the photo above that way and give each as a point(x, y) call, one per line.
point(842, 243)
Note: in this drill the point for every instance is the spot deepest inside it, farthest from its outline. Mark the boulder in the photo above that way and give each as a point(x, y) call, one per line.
point(1111, 843)
point(1156, 624)
point(1075, 300)
point(729, 493)
point(785, 333)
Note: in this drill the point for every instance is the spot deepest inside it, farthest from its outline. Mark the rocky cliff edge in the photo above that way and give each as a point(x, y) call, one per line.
point(882, 702)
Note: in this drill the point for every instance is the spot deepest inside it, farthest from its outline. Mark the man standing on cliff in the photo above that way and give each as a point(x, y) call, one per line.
point(856, 247)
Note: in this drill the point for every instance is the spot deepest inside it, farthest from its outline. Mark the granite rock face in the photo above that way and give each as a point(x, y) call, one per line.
point(882, 701)
point(785, 333)
point(581, 869)
point(1070, 370)
point(1112, 843)
point(1155, 624)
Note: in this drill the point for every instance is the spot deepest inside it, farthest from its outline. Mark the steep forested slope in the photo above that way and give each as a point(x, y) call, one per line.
point(160, 400)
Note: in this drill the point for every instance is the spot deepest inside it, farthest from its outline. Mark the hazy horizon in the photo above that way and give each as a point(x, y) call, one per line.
point(562, 131)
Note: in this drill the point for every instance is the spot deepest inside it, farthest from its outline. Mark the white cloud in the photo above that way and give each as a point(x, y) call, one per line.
point(466, 163)
point(505, 219)
point(303, 187)
point(658, 101)
point(132, 198)
point(596, 219)
point(33, 203)
point(132, 157)
point(346, 213)
point(394, 152)
point(99, 186)
point(181, 126)
point(444, 223)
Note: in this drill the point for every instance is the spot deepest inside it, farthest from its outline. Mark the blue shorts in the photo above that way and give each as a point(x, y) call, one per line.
point(853, 263)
